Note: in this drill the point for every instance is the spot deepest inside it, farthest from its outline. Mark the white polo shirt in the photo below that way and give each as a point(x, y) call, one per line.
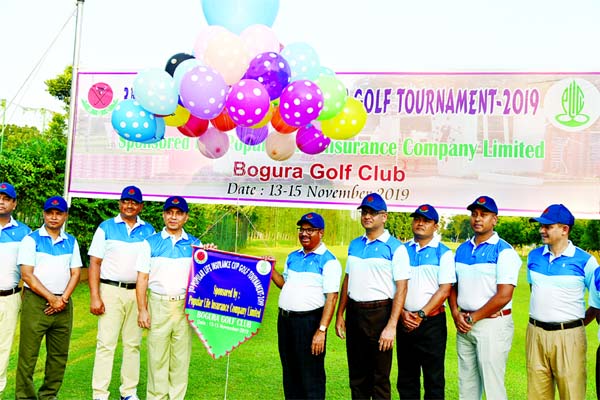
point(11, 235)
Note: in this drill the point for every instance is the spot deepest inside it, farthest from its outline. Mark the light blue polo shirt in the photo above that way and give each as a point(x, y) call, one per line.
point(308, 278)
point(431, 266)
point(480, 268)
point(558, 283)
point(11, 235)
point(52, 260)
point(119, 246)
point(374, 266)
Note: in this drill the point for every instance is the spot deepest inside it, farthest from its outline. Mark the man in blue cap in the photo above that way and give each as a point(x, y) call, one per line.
point(372, 297)
point(487, 270)
point(558, 273)
point(309, 291)
point(11, 234)
point(422, 336)
point(113, 253)
point(50, 268)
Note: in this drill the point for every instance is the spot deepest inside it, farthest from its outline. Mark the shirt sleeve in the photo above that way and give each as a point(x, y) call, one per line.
point(76, 258)
point(26, 252)
point(592, 278)
point(97, 247)
point(447, 272)
point(507, 271)
point(143, 260)
point(285, 269)
point(401, 264)
point(332, 275)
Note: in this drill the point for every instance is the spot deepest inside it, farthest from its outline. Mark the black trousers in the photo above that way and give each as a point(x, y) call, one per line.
point(422, 349)
point(303, 373)
point(369, 368)
point(598, 373)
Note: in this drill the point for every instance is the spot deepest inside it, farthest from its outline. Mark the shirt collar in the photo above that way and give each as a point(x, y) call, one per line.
point(568, 252)
point(433, 243)
point(384, 237)
point(138, 220)
point(11, 222)
point(494, 239)
point(43, 232)
point(164, 234)
point(320, 250)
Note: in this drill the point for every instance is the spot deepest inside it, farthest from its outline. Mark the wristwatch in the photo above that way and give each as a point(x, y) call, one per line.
point(323, 328)
point(422, 314)
point(469, 319)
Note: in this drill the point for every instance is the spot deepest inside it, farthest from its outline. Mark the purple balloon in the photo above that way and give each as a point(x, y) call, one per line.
point(300, 103)
point(203, 91)
point(311, 140)
point(252, 136)
point(247, 102)
point(272, 71)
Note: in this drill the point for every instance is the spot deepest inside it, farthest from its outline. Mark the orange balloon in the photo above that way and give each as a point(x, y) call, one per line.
point(279, 125)
point(223, 121)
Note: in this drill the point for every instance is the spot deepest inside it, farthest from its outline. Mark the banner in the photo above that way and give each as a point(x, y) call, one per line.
point(525, 139)
point(226, 298)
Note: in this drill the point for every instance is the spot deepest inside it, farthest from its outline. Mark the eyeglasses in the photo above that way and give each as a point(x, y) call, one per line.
point(310, 231)
point(364, 212)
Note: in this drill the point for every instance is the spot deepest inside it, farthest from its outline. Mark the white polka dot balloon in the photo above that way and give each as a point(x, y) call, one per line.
point(300, 102)
point(133, 122)
point(247, 102)
point(203, 91)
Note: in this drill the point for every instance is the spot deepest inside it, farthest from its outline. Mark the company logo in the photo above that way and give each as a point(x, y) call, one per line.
point(200, 256)
point(572, 104)
point(100, 99)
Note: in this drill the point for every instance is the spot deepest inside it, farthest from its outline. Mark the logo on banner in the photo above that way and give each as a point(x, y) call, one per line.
point(572, 104)
point(100, 99)
point(226, 298)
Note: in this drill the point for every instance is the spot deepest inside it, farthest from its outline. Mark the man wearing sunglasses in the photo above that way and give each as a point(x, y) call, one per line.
point(309, 291)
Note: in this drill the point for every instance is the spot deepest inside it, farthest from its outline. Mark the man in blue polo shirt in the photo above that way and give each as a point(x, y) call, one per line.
point(372, 296)
point(50, 267)
point(112, 274)
point(421, 338)
point(11, 234)
point(558, 274)
point(487, 270)
point(310, 284)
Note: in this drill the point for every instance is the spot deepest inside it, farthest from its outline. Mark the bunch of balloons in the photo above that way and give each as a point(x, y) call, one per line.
point(240, 77)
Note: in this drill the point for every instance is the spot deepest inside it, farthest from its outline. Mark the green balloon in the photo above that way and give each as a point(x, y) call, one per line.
point(334, 96)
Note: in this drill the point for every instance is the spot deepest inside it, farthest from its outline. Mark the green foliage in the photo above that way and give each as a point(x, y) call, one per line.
point(591, 236)
point(458, 229)
point(518, 231)
point(60, 87)
point(399, 225)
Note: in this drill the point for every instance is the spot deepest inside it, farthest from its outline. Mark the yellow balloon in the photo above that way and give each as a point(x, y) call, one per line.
point(266, 119)
point(179, 117)
point(348, 122)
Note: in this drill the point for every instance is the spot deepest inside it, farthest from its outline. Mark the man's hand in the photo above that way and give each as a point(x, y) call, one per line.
point(460, 321)
point(144, 319)
point(97, 305)
point(318, 343)
point(55, 305)
point(340, 327)
point(386, 340)
point(410, 320)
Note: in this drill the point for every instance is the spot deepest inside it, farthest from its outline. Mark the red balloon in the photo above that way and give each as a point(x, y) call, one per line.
point(194, 127)
point(223, 121)
point(279, 124)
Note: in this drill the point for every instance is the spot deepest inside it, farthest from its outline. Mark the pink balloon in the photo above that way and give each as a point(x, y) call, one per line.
point(213, 143)
point(247, 102)
point(203, 92)
point(300, 102)
point(259, 39)
point(204, 37)
point(311, 140)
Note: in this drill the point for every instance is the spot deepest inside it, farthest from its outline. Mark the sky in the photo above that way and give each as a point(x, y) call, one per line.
point(349, 35)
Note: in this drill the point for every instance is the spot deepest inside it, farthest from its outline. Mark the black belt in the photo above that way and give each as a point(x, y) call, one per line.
point(292, 314)
point(369, 304)
point(556, 326)
point(118, 284)
point(9, 292)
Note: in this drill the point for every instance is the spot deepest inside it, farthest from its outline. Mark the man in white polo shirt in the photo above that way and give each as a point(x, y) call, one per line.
point(112, 275)
point(310, 284)
point(558, 274)
point(163, 268)
point(50, 267)
point(487, 270)
point(11, 234)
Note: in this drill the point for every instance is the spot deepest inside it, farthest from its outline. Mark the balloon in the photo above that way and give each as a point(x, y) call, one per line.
point(155, 90)
point(225, 53)
point(348, 123)
point(303, 60)
point(326, 71)
point(223, 121)
point(213, 143)
point(175, 60)
point(203, 92)
point(179, 117)
point(133, 122)
point(236, 15)
point(247, 102)
point(310, 140)
point(194, 127)
point(251, 136)
point(279, 124)
point(279, 146)
point(205, 35)
point(300, 103)
point(271, 70)
point(266, 118)
point(334, 96)
point(259, 39)
point(183, 68)
point(159, 134)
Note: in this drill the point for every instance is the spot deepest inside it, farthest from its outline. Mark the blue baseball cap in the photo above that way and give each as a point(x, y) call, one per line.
point(485, 202)
point(374, 201)
point(427, 211)
point(8, 190)
point(132, 192)
point(555, 214)
point(56, 203)
point(313, 219)
point(176, 202)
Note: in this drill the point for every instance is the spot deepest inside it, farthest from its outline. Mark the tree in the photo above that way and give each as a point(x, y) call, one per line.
point(60, 87)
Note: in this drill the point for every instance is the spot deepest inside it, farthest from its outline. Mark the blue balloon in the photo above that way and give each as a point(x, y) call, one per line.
point(133, 122)
point(160, 132)
point(237, 15)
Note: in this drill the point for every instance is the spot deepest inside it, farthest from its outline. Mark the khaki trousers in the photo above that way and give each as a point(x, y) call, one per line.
point(556, 357)
point(169, 349)
point(120, 317)
point(10, 307)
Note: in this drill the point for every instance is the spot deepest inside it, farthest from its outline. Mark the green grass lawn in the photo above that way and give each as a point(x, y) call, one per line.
point(253, 370)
